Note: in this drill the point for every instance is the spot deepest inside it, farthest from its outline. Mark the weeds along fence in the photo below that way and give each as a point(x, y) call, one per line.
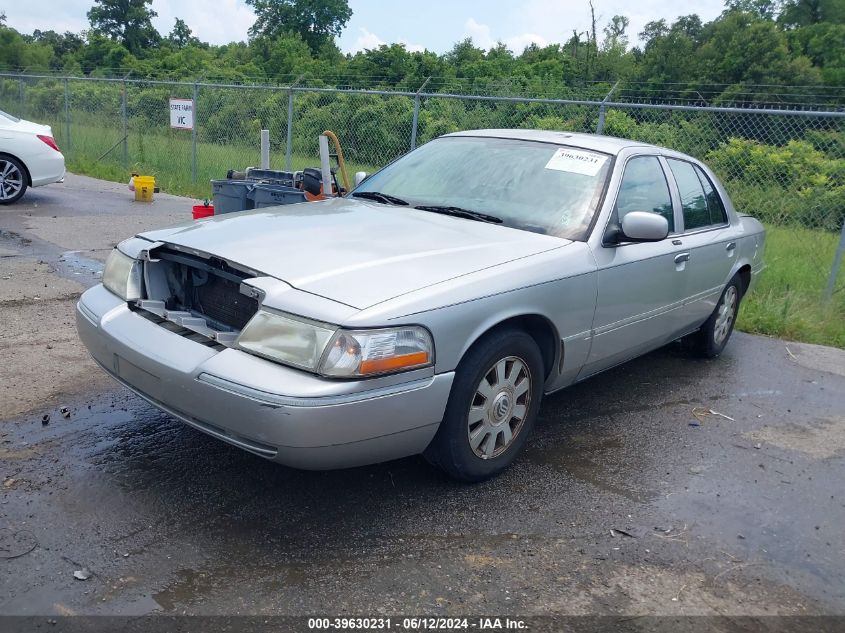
point(785, 166)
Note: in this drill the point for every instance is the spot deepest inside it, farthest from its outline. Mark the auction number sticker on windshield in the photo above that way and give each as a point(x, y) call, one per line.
point(576, 161)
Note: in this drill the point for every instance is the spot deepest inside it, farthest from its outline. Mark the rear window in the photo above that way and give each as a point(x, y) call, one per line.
point(6, 115)
point(693, 199)
point(715, 206)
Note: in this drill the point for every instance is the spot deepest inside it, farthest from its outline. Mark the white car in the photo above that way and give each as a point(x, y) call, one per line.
point(29, 157)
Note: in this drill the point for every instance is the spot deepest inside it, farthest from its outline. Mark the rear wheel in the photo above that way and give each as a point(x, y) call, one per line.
point(492, 407)
point(12, 180)
point(711, 339)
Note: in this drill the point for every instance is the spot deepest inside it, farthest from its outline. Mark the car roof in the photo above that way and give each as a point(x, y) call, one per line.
point(597, 142)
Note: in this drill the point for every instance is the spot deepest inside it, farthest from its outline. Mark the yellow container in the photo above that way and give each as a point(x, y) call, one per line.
point(144, 186)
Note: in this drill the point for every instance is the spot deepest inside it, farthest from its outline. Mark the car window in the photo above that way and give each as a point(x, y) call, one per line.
point(693, 201)
point(6, 115)
point(718, 215)
point(644, 188)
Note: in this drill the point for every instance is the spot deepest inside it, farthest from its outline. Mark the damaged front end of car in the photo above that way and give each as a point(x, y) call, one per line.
point(194, 294)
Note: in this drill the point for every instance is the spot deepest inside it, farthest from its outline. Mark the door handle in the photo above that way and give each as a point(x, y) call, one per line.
point(730, 246)
point(682, 257)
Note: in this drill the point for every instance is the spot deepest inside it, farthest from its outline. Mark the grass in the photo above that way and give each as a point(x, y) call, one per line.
point(786, 303)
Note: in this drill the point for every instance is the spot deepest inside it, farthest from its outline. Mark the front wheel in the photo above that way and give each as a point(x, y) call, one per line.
point(712, 337)
point(492, 407)
point(12, 180)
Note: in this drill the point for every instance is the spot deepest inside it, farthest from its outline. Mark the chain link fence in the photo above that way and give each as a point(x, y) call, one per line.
point(784, 166)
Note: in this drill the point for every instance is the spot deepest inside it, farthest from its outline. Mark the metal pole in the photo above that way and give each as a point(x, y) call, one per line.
point(67, 116)
point(600, 125)
point(21, 91)
point(123, 127)
point(265, 149)
point(289, 143)
point(837, 262)
point(416, 120)
point(602, 109)
point(194, 134)
point(325, 167)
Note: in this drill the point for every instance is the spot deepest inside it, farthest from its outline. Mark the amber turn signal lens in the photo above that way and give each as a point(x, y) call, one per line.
point(379, 365)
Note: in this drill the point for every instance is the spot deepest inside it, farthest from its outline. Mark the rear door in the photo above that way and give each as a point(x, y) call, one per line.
point(640, 285)
point(706, 236)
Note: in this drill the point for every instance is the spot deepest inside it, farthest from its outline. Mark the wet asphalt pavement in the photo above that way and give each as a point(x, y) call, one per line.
point(739, 516)
point(626, 502)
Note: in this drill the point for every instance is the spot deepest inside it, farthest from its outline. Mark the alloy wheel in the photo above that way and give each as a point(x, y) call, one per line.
point(498, 408)
point(11, 180)
point(726, 315)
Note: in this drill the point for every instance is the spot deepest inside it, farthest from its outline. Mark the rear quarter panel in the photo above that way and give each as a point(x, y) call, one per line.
point(44, 164)
point(751, 245)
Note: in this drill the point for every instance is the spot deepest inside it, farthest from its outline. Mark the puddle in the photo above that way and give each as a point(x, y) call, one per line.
point(192, 586)
point(73, 265)
point(594, 459)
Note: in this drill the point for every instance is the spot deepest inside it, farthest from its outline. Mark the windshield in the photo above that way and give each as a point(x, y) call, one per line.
point(6, 115)
point(539, 187)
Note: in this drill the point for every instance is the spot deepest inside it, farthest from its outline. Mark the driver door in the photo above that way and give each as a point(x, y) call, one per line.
point(640, 285)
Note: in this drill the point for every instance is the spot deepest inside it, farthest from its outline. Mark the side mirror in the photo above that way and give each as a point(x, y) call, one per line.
point(644, 226)
point(360, 176)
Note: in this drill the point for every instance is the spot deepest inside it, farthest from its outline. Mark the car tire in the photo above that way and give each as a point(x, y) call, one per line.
point(711, 338)
point(12, 180)
point(492, 407)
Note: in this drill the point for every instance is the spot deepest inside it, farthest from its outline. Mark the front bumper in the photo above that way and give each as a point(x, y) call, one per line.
point(273, 411)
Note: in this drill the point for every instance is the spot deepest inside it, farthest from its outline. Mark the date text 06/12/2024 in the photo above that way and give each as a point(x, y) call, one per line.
point(415, 624)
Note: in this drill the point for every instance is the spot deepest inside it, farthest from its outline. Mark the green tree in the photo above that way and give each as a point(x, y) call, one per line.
point(744, 49)
point(316, 21)
point(105, 55)
point(17, 52)
point(125, 21)
point(181, 35)
point(797, 13)
point(464, 57)
point(766, 9)
point(614, 32)
point(670, 53)
point(281, 56)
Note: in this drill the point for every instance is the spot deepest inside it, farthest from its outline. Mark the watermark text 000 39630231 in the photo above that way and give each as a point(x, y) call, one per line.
point(417, 623)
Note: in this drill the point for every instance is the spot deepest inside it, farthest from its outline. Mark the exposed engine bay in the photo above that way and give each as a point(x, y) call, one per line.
point(202, 296)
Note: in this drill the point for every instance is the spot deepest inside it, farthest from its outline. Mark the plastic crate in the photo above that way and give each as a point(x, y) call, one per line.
point(231, 195)
point(274, 195)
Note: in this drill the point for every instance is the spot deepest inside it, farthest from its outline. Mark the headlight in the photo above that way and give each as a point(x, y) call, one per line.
point(286, 339)
point(326, 350)
point(369, 352)
point(122, 275)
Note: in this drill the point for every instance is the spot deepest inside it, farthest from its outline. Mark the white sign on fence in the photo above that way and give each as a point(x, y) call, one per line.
point(182, 114)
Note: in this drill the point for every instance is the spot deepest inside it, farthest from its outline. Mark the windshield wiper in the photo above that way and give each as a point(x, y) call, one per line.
point(460, 212)
point(378, 196)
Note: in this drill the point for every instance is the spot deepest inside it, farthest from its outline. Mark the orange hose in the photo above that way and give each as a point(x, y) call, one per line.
point(340, 162)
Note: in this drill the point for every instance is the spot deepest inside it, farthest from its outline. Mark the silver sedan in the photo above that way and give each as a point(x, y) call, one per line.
point(431, 309)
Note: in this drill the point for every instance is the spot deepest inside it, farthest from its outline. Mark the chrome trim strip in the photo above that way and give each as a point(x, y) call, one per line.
point(586, 334)
point(604, 329)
